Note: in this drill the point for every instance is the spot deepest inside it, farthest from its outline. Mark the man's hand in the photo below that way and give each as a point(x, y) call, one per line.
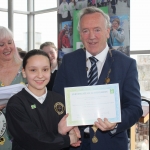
point(104, 125)
point(77, 131)
point(74, 135)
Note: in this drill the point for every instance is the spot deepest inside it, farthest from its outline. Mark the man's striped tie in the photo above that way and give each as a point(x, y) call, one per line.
point(93, 74)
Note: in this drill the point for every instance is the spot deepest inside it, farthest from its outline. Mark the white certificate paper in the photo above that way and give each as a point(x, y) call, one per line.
point(8, 91)
point(87, 103)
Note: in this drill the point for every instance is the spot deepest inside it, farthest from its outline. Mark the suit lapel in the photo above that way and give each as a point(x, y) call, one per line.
point(82, 68)
point(106, 68)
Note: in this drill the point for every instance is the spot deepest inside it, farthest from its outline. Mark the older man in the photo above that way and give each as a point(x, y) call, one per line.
point(111, 66)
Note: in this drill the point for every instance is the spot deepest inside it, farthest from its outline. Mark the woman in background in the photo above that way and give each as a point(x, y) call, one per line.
point(10, 71)
point(51, 50)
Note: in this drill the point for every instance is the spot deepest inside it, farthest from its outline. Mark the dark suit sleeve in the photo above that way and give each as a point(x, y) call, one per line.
point(131, 109)
point(60, 80)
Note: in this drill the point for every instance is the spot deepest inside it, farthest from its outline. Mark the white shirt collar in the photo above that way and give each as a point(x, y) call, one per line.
point(41, 99)
point(101, 56)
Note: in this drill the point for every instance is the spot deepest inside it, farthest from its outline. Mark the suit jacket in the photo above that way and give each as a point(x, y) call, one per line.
point(72, 72)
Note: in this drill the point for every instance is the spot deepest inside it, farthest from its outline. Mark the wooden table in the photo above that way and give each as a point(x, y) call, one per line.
point(143, 119)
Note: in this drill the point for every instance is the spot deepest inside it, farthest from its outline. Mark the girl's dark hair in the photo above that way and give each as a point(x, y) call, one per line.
point(33, 53)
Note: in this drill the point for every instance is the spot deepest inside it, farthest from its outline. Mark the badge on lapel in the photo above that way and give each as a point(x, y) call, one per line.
point(59, 108)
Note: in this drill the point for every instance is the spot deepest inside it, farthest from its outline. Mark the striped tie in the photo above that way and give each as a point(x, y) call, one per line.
point(93, 74)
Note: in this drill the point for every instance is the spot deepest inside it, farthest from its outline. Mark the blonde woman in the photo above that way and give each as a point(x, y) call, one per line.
point(10, 71)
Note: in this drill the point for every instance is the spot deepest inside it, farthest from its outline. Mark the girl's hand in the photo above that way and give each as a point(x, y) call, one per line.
point(62, 126)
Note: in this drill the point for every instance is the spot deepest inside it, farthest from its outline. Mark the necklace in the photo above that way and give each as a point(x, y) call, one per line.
point(107, 79)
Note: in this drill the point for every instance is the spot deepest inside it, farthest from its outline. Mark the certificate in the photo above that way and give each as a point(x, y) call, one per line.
point(8, 91)
point(87, 103)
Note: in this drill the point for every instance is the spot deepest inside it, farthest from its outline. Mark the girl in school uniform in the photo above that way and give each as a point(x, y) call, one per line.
point(35, 116)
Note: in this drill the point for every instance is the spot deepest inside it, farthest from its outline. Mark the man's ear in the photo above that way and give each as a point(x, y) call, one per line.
point(108, 32)
point(23, 73)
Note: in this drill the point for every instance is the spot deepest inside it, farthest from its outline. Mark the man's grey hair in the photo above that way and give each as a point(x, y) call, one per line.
point(91, 10)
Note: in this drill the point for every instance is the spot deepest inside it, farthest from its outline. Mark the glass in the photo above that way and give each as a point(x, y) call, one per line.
point(4, 4)
point(143, 66)
point(139, 40)
point(45, 28)
point(142, 136)
point(20, 31)
point(4, 21)
point(44, 4)
point(20, 5)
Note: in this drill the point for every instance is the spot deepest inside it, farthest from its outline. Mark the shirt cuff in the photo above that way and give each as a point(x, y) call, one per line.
point(113, 131)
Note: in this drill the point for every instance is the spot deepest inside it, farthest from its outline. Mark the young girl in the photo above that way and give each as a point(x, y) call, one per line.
point(34, 115)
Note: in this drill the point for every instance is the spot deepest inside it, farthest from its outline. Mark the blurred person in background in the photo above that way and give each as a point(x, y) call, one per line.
point(10, 72)
point(113, 6)
point(65, 40)
point(21, 52)
point(72, 5)
point(60, 35)
point(51, 50)
point(117, 36)
point(63, 9)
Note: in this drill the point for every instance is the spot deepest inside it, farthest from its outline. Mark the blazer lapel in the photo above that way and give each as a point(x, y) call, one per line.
point(105, 70)
point(82, 68)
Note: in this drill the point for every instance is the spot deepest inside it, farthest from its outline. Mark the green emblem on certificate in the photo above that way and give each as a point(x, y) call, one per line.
point(112, 91)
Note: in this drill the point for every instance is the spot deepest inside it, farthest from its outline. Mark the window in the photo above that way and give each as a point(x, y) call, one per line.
point(20, 31)
point(20, 5)
point(4, 4)
point(139, 26)
point(143, 66)
point(44, 4)
point(4, 21)
point(45, 28)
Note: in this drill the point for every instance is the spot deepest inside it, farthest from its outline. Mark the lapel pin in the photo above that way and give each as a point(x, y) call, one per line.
point(33, 106)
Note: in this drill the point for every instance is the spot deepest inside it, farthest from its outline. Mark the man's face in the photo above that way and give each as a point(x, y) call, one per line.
point(94, 33)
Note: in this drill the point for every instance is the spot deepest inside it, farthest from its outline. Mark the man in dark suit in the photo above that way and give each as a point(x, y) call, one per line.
point(113, 67)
